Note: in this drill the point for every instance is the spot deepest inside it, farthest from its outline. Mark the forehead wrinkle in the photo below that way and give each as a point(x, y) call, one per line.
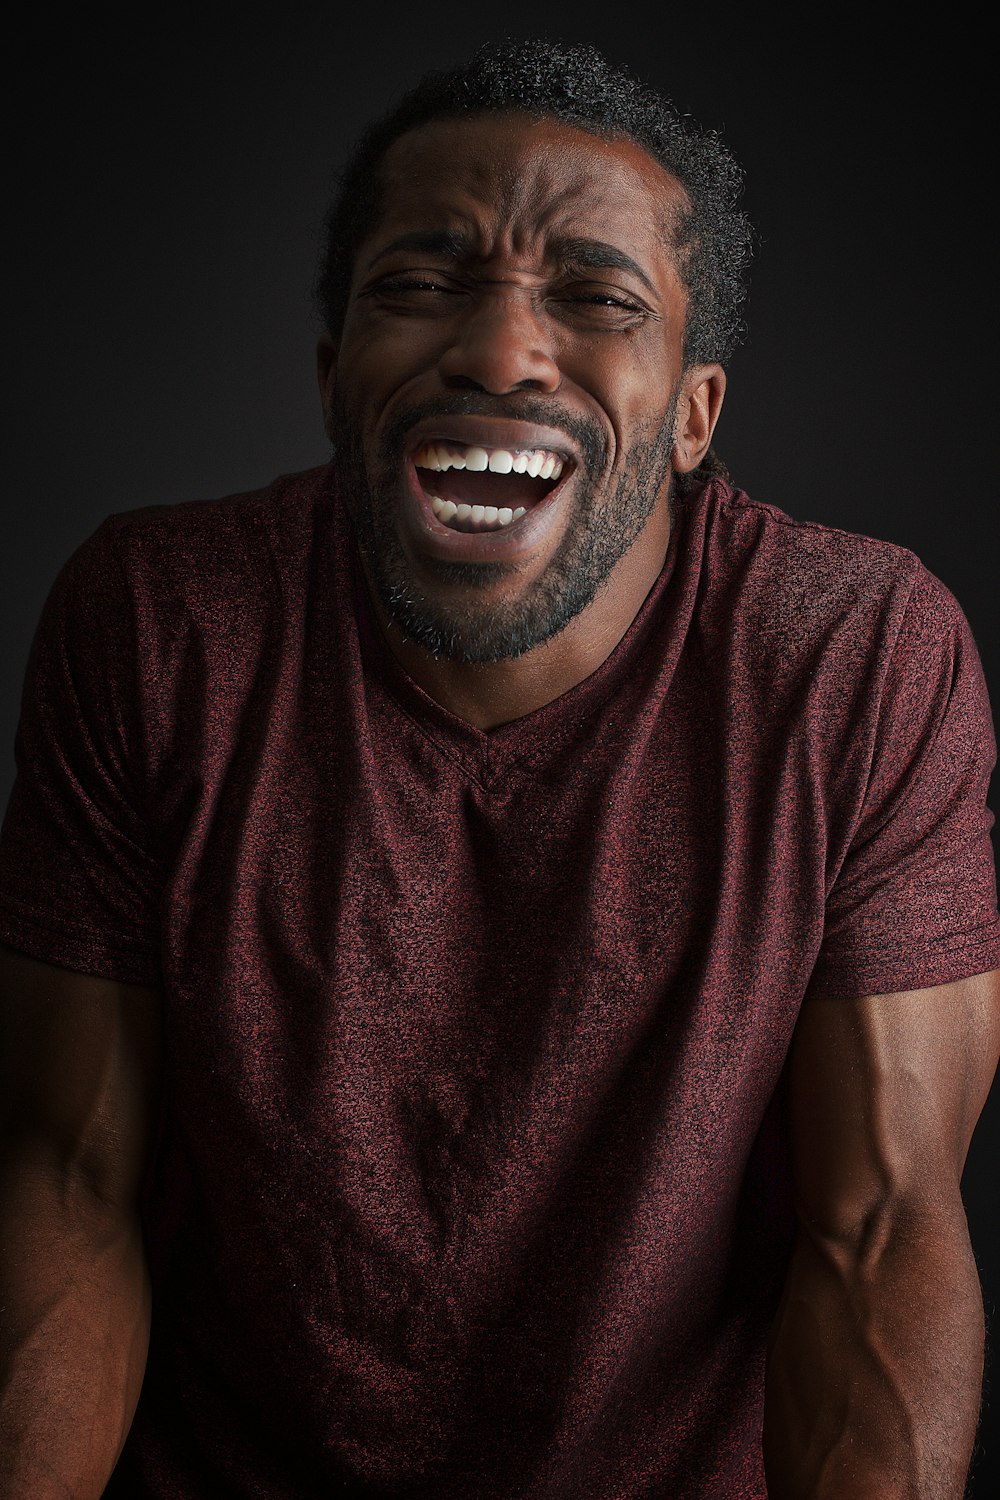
point(544, 181)
point(545, 188)
point(535, 209)
point(511, 198)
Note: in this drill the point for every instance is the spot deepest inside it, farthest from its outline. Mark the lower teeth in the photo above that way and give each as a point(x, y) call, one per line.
point(474, 517)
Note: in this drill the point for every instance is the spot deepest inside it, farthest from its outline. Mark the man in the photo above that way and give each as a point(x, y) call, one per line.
point(499, 929)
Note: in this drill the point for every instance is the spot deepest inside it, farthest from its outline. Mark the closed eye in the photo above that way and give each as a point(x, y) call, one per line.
point(592, 306)
point(598, 307)
point(603, 299)
point(412, 284)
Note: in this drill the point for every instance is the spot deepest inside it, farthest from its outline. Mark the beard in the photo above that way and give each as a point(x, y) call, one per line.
point(599, 533)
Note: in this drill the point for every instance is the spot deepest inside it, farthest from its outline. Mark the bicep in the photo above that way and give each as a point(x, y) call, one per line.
point(79, 1076)
point(884, 1093)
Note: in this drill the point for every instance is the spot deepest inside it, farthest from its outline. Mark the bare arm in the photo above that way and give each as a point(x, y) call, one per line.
point(875, 1367)
point(79, 1068)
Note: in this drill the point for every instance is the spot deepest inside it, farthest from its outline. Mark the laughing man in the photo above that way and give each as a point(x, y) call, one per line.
point(497, 928)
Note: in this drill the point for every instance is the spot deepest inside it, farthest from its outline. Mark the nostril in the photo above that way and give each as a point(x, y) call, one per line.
point(486, 357)
point(464, 383)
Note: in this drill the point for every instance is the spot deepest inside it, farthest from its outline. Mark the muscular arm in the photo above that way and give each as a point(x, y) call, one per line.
point(876, 1360)
point(79, 1060)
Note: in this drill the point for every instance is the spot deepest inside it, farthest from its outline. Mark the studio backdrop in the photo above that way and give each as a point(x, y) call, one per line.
point(169, 187)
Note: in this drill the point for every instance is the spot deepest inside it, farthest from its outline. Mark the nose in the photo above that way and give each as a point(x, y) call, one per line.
point(501, 345)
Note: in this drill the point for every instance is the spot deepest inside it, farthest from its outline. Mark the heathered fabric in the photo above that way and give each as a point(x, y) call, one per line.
point(472, 1178)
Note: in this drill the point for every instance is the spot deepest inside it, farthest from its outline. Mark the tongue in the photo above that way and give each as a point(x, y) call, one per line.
point(473, 487)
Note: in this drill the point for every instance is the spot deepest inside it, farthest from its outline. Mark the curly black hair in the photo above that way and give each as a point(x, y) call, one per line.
point(576, 84)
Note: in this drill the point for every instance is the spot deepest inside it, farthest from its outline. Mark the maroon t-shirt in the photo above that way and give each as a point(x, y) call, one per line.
point(472, 1176)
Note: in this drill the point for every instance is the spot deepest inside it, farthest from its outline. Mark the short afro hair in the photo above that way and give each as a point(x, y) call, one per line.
point(577, 84)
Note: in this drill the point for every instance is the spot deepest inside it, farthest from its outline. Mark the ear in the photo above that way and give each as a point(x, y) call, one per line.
point(699, 402)
point(326, 369)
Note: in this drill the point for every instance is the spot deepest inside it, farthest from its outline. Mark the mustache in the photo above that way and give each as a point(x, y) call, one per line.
point(588, 436)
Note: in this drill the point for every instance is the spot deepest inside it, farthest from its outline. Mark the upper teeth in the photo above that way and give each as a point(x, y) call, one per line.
point(537, 462)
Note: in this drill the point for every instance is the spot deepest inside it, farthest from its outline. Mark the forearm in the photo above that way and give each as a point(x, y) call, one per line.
point(74, 1330)
point(875, 1367)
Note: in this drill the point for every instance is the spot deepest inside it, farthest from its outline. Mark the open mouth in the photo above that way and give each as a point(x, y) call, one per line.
point(473, 488)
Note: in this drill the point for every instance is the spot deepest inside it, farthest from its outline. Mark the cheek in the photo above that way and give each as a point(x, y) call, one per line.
point(381, 344)
point(628, 371)
point(382, 367)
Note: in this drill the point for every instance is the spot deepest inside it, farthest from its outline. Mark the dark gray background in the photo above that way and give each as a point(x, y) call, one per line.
point(169, 181)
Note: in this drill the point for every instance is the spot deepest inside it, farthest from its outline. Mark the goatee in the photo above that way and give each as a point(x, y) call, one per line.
point(596, 537)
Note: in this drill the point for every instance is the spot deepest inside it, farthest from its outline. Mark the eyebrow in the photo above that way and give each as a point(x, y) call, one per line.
point(592, 255)
point(595, 255)
point(451, 242)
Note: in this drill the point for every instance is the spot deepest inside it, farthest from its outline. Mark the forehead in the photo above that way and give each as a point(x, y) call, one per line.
point(511, 175)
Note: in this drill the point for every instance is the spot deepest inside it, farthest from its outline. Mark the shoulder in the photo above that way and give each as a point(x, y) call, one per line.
point(160, 594)
point(201, 561)
point(782, 564)
point(799, 597)
point(199, 537)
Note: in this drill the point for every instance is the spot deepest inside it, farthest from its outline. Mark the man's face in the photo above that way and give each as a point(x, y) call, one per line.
point(513, 340)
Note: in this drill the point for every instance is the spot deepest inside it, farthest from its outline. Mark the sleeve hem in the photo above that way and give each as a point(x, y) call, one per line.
point(965, 956)
point(106, 955)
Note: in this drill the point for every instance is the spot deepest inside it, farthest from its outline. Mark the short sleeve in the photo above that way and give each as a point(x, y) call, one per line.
point(913, 903)
point(80, 883)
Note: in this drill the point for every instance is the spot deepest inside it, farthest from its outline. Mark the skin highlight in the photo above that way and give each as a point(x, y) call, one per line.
point(508, 318)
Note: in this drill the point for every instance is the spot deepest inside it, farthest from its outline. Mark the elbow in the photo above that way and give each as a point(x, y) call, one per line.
point(859, 1230)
